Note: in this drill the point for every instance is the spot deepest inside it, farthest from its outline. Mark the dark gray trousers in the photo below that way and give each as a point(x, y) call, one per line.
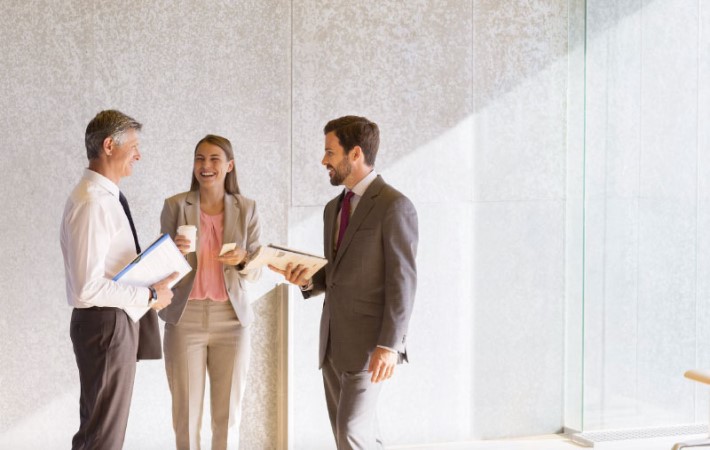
point(105, 344)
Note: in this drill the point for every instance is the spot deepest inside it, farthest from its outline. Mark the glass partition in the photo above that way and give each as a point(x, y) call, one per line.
point(644, 149)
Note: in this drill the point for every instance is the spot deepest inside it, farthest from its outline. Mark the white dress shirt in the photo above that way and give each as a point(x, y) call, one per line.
point(97, 243)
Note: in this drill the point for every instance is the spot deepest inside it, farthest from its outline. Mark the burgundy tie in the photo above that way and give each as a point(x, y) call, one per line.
point(344, 217)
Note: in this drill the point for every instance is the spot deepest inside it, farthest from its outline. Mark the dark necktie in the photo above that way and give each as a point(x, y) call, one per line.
point(344, 217)
point(127, 210)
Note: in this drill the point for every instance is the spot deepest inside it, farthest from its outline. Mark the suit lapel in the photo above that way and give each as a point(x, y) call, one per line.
point(364, 206)
point(331, 210)
point(192, 217)
point(231, 216)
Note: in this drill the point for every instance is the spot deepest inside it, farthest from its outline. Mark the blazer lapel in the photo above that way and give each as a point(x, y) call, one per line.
point(331, 210)
point(231, 217)
point(363, 209)
point(192, 217)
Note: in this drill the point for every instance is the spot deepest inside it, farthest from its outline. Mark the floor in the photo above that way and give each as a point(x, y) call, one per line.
point(557, 442)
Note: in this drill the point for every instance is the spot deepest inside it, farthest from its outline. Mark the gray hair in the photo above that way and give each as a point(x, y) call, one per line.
point(108, 123)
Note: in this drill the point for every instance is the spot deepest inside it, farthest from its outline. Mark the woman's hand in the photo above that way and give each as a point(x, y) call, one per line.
point(233, 257)
point(183, 244)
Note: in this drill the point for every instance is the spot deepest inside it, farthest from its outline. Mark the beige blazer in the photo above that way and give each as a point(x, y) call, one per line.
point(241, 225)
point(370, 283)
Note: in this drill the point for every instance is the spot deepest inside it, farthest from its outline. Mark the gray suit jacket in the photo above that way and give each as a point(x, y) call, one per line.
point(370, 283)
point(241, 225)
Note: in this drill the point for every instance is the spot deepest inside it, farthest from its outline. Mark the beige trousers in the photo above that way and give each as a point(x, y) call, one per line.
point(209, 339)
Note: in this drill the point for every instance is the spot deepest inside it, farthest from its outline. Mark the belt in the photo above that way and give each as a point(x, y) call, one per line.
point(98, 308)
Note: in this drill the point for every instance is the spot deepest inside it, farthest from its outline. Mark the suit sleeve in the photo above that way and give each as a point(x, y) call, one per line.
point(400, 239)
point(318, 282)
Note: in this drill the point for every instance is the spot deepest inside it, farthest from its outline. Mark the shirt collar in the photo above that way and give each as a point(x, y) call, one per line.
point(362, 185)
point(102, 181)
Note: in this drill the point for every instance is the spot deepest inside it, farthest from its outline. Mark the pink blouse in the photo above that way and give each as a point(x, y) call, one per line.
point(209, 279)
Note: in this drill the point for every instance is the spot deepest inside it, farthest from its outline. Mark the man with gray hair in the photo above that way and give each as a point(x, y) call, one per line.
point(98, 239)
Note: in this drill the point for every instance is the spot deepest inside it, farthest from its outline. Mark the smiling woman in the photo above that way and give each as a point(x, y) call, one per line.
point(214, 156)
point(211, 164)
point(207, 325)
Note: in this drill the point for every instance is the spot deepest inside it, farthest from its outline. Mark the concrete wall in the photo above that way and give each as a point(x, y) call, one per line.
point(470, 96)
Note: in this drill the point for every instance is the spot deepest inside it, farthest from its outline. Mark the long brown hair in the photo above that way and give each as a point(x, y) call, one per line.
point(230, 181)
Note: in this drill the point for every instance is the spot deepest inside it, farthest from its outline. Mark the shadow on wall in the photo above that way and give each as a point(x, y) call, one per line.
point(441, 176)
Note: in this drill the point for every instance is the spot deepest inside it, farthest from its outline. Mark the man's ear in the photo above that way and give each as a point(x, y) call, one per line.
point(356, 153)
point(107, 146)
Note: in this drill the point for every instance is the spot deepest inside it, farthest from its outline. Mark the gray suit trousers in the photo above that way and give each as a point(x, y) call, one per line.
point(352, 407)
point(105, 343)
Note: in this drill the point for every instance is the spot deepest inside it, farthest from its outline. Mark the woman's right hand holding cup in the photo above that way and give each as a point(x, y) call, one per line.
point(185, 238)
point(183, 244)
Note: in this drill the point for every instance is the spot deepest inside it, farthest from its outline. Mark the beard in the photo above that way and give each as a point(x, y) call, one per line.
point(341, 172)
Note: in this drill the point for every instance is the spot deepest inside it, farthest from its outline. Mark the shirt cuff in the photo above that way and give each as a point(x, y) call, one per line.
point(387, 348)
point(307, 287)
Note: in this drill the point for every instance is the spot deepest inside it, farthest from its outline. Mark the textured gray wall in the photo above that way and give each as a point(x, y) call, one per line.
point(182, 68)
point(471, 101)
point(470, 98)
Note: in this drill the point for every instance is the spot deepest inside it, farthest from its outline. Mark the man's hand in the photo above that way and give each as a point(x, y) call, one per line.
point(183, 244)
point(165, 294)
point(382, 364)
point(233, 257)
point(294, 275)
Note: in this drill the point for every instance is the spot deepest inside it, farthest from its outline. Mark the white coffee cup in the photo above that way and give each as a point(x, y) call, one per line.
point(190, 232)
